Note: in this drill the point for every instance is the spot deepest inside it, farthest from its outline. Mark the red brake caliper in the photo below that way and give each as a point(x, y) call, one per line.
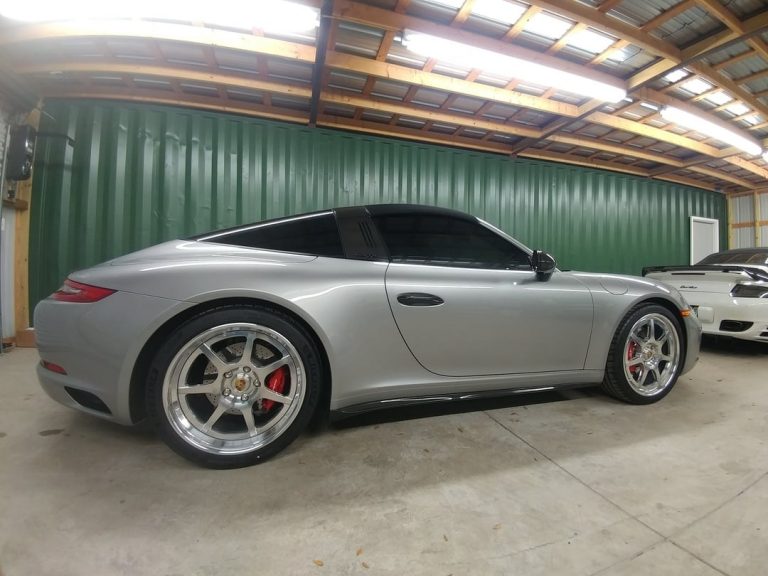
point(277, 381)
point(630, 355)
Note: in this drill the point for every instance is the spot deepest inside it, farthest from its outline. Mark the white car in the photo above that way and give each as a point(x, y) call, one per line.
point(728, 290)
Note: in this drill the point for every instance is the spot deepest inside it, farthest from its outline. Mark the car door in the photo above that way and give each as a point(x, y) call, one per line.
point(467, 302)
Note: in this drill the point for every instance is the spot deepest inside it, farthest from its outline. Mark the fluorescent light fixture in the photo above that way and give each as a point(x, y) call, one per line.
point(697, 86)
point(548, 26)
point(456, 4)
point(718, 98)
point(590, 41)
point(676, 75)
point(752, 120)
point(649, 106)
point(499, 11)
point(710, 129)
point(509, 66)
point(280, 17)
point(738, 108)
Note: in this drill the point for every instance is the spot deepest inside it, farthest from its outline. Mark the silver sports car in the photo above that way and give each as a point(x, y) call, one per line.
point(229, 342)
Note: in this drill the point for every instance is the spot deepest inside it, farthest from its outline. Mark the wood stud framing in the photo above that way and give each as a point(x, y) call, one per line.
point(621, 137)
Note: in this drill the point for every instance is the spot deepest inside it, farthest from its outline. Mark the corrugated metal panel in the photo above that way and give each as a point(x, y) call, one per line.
point(7, 236)
point(743, 238)
point(743, 209)
point(140, 174)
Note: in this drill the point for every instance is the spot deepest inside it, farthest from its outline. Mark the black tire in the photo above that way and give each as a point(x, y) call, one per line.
point(273, 321)
point(617, 381)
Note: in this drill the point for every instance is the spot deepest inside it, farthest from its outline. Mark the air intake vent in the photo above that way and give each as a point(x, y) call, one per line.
point(735, 326)
point(87, 400)
point(365, 230)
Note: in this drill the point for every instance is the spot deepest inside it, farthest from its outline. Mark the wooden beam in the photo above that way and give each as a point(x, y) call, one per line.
point(446, 83)
point(410, 134)
point(319, 64)
point(676, 10)
point(602, 146)
point(215, 78)
point(596, 19)
point(652, 132)
point(21, 244)
point(186, 100)
point(388, 20)
point(755, 25)
point(424, 113)
point(14, 35)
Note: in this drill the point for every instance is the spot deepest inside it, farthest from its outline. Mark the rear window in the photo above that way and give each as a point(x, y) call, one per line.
point(315, 234)
point(736, 258)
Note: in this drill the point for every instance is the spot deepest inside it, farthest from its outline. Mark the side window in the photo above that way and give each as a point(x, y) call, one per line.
point(316, 234)
point(447, 241)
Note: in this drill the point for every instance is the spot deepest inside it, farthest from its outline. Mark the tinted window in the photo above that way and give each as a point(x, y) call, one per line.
point(316, 234)
point(736, 258)
point(447, 241)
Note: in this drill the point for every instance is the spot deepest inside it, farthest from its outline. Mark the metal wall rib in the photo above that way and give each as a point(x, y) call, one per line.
point(140, 174)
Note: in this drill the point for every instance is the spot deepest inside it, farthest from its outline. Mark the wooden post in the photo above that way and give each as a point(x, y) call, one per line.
point(24, 335)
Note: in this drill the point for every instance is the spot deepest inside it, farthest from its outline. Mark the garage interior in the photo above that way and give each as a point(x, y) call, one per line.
point(594, 129)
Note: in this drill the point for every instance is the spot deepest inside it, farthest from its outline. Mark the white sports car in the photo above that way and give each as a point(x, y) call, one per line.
point(728, 290)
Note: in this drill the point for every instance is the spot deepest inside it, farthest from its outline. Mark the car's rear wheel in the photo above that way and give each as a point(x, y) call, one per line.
point(645, 357)
point(234, 386)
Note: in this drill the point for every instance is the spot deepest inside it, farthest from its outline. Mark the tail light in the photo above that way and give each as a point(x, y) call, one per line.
point(73, 291)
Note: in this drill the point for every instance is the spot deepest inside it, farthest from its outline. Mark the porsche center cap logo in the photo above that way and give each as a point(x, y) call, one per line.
point(241, 384)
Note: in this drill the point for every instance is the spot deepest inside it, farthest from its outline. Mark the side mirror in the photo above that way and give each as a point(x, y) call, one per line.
point(543, 264)
point(21, 151)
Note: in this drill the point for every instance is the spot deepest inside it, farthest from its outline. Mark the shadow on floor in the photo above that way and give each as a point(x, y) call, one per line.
point(389, 415)
point(722, 345)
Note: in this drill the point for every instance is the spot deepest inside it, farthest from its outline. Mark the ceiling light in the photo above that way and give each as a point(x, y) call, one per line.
point(499, 11)
point(590, 41)
point(676, 75)
point(495, 62)
point(649, 106)
point(710, 129)
point(548, 26)
point(752, 120)
point(281, 17)
point(718, 98)
point(697, 86)
point(738, 108)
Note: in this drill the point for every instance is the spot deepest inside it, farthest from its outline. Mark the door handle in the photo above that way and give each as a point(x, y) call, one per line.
point(419, 299)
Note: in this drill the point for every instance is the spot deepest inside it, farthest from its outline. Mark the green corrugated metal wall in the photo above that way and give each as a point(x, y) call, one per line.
point(141, 174)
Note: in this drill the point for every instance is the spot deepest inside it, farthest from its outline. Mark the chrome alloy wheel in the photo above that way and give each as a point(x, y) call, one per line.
point(234, 388)
point(651, 354)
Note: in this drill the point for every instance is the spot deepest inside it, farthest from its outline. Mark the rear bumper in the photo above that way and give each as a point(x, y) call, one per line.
point(97, 344)
point(714, 309)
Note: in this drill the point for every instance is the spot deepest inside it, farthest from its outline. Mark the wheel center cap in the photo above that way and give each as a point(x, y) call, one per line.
point(242, 382)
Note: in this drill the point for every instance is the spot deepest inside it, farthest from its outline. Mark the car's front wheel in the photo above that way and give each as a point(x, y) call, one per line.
point(234, 385)
point(646, 355)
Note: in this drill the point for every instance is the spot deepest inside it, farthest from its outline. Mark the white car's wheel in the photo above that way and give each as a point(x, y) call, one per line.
point(234, 385)
point(646, 355)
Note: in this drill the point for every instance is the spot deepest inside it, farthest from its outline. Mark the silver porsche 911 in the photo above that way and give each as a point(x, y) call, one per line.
point(229, 342)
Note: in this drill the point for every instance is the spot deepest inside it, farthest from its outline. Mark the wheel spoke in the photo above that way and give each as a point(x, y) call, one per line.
point(214, 358)
point(264, 371)
point(250, 342)
point(664, 336)
point(211, 388)
point(634, 361)
point(651, 329)
point(637, 340)
point(657, 374)
point(250, 423)
point(267, 394)
point(643, 376)
point(217, 413)
point(667, 358)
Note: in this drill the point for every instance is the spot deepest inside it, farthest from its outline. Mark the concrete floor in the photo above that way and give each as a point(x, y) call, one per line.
point(576, 484)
